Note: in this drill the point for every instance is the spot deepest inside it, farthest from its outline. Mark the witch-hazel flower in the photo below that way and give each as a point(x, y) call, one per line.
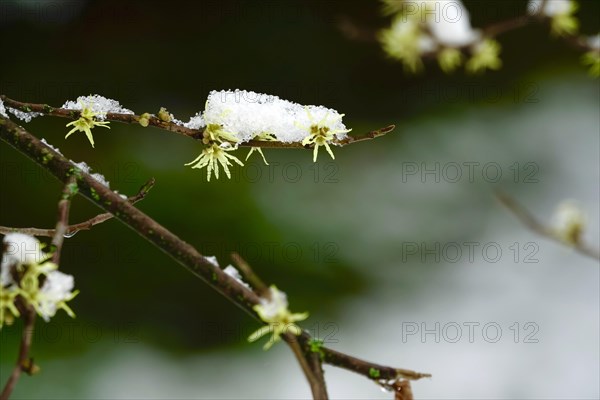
point(235, 118)
point(28, 275)
point(214, 155)
point(264, 137)
point(274, 311)
point(561, 14)
point(324, 131)
point(569, 222)
point(220, 141)
point(54, 294)
point(86, 123)
point(486, 55)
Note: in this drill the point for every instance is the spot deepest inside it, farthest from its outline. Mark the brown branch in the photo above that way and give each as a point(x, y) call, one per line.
point(499, 28)
point(403, 390)
point(314, 375)
point(179, 129)
point(249, 276)
point(536, 226)
point(24, 363)
point(85, 225)
point(62, 221)
point(366, 368)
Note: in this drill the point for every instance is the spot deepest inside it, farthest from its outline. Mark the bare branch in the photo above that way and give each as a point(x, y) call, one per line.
point(533, 224)
point(249, 276)
point(62, 221)
point(24, 363)
point(85, 225)
point(313, 374)
point(366, 368)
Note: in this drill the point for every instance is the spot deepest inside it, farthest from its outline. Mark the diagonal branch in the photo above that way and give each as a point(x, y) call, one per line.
point(179, 129)
point(62, 221)
point(24, 363)
point(313, 374)
point(536, 226)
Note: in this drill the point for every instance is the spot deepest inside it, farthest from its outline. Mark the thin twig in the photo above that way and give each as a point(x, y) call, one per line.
point(24, 363)
point(366, 368)
point(403, 390)
point(85, 225)
point(249, 276)
point(179, 129)
point(315, 377)
point(536, 226)
point(62, 221)
point(499, 28)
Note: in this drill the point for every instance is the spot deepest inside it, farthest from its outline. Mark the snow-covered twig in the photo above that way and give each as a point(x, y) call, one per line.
point(194, 133)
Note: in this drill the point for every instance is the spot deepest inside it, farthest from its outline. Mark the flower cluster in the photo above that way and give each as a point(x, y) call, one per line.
point(27, 277)
point(274, 311)
point(440, 28)
point(230, 118)
point(235, 117)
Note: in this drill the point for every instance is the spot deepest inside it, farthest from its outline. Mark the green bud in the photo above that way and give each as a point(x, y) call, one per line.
point(145, 119)
point(164, 115)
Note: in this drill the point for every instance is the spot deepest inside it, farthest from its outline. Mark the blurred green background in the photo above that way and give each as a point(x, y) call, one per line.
point(332, 235)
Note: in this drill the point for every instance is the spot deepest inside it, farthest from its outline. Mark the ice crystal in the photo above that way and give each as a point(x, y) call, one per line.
point(88, 170)
point(235, 274)
point(2, 109)
point(23, 116)
point(52, 147)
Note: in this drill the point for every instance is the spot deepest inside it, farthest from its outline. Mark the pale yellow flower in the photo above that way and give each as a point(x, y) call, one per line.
point(86, 123)
point(274, 311)
point(267, 137)
point(322, 133)
point(592, 60)
point(449, 59)
point(486, 55)
point(211, 157)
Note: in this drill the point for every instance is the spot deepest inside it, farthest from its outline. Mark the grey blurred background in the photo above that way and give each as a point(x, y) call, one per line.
point(375, 245)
